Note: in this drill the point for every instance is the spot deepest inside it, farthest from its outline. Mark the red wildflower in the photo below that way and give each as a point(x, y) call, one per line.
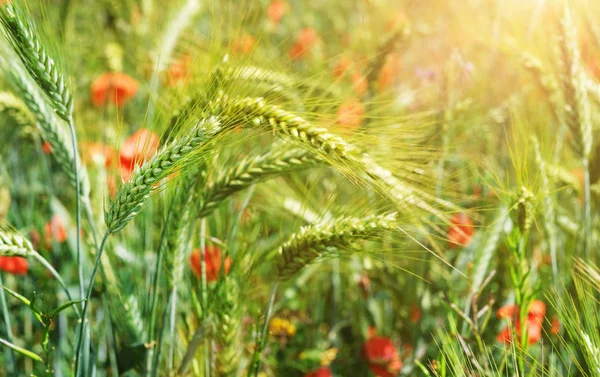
point(307, 39)
point(99, 154)
point(555, 328)
point(535, 318)
point(54, 230)
point(321, 372)
point(213, 260)
point(461, 230)
point(138, 148)
point(351, 114)
point(276, 10)
point(119, 88)
point(342, 67)
point(383, 357)
point(179, 70)
point(244, 44)
point(389, 71)
point(415, 313)
point(14, 265)
point(46, 148)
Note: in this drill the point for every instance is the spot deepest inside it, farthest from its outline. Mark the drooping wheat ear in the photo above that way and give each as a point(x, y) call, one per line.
point(280, 160)
point(13, 244)
point(132, 195)
point(25, 42)
point(15, 108)
point(51, 128)
point(256, 112)
point(577, 106)
point(228, 328)
point(314, 240)
point(546, 83)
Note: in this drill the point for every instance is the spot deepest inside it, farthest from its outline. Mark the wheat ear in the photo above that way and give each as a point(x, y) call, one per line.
point(36, 60)
point(14, 244)
point(312, 241)
point(279, 160)
point(50, 127)
point(228, 327)
point(132, 195)
point(255, 112)
point(577, 106)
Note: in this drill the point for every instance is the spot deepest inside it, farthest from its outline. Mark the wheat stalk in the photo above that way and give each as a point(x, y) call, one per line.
point(312, 241)
point(279, 160)
point(36, 60)
point(132, 195)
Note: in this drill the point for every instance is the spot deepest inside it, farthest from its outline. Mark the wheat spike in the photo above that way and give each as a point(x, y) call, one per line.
point(577, 106)
point(132, 195)
point(312, 241)
point(279, 160)
point(13, 244)
point(39, 64)
point(228, 328)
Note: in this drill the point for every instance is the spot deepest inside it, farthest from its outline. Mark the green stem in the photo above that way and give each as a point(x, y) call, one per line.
point(256, 358)
point(77, 205)
point(9, 335)
point(54, 273)
point(203, 299)
point(87, 298)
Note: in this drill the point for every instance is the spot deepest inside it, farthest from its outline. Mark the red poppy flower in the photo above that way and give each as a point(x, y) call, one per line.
point(179, 70)
point(383, 357)
point(535, 318)
point(99, 154)
point(55, 231)
point(137, 149)
point(461, 230)
point(47, 148)
point(415, 313)
point(14, 265)
point(555, 328)
point(213, 260)
point(389, 71)
point(351, 114)
point(342, 67)
point(276, 10)
point(119, 88)
point(321, 372)
point(244, 44)
point(307, 39)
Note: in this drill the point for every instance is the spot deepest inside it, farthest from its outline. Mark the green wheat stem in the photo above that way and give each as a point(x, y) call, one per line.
point(87, 298)
point(9, 335)
point(256, 358)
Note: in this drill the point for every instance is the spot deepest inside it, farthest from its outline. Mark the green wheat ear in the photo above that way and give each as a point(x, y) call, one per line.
point(132, 195)
point(42, 68)
point(312, 241)
point(12, 243)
